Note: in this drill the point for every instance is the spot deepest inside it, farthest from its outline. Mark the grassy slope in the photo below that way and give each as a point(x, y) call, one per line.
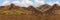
point(16, 11)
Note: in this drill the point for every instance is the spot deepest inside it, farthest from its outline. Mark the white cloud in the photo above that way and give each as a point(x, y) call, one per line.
point(17, 3)
point(57, 2)
point(26, 3)
point(5, 3)
point(39, 2)
point(52, 3)
point(5, 0)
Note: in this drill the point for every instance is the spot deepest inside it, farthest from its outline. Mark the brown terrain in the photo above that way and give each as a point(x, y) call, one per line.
point(43, 12)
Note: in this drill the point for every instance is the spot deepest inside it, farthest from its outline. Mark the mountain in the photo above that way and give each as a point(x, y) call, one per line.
point(12, 7)
point(4, 7)
point(56, 6)
point(30, 8)
point(44, 7)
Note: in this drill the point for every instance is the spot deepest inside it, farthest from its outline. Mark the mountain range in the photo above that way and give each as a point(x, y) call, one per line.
point(43, 9)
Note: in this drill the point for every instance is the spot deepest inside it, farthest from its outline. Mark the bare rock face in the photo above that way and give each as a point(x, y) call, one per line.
point(12, 6)
point(25, 8)
point(56, 6)
point(44, 7)
point(31, 8)
point(4, 7)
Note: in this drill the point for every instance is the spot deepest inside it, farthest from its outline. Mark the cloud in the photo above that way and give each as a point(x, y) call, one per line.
point(5, 0)
point(26, 3)
point(52, 3)
point(17, 3)
point(5, 3)
point(57, 2)
point(39, 2)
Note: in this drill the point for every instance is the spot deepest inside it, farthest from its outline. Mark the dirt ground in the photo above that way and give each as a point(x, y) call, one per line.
point(30, 17)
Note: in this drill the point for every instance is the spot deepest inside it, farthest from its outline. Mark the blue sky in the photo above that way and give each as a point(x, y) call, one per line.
point(30, 0)
point(1, 1)
point(51, 1)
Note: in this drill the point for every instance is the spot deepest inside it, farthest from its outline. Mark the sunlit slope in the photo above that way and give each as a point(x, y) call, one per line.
point(12, 9)
point(16, 11)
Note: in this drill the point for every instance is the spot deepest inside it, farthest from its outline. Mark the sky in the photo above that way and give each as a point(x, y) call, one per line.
point(26, 3)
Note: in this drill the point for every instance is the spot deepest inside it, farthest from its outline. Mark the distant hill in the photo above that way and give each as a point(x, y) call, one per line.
point(43, 9)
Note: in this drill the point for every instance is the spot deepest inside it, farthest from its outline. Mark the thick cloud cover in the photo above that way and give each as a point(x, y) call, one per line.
point(26, 3)
point(6, 2)
point(51, 3)
point(17, 3)
point(39, 2)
